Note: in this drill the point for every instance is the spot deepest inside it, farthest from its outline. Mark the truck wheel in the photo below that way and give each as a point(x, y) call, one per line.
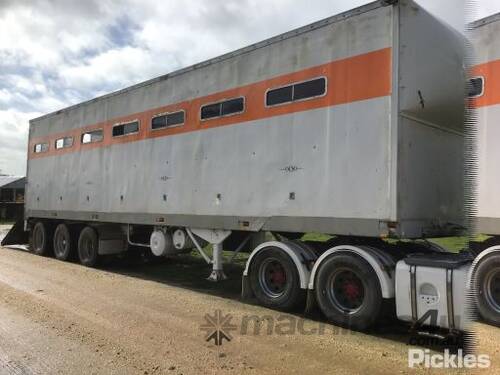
point(274, 280)
point(41, 239)
point(348, 291)
point(64, 243)
point(88, 247)
point(487, 279)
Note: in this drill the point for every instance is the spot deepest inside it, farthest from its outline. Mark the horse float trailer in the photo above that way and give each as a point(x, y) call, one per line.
point(484, 93)
point(352, 126)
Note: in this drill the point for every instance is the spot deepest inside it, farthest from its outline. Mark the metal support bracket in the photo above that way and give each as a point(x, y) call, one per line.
point(198, 247)
point(240, 247)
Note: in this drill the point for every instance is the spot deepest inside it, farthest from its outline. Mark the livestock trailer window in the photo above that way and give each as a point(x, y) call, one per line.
point(224, 108)
point(64, 142)
point(167, 120)
point(126, 129)
point(298, 91)
point(41, 147)
point(210, 111)
point(279, 96)
point(310, 89)
point(475, 87)
point(92, 136)
point(231, 107)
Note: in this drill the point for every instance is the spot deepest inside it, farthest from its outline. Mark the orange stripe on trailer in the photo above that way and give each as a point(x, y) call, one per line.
point(349, 80)
point(490, 71)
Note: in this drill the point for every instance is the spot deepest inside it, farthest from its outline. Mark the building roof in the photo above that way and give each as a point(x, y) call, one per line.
point(12, 182)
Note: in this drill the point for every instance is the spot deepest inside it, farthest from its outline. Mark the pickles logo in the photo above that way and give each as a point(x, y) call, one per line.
point(424, 358)
point(218, 327)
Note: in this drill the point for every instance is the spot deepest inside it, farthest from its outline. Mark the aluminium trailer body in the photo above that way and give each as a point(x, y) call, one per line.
point(485, 98)
point(352, 126)
point(378, 149)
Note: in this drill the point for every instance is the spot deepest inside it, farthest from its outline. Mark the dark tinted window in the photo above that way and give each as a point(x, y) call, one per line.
point(309, 89)
point(232, 106)
point(279, 96)
point(475, 87)
point(159, 122)
point(170, 119)
point(225, 108)
point(124, 129)
point(92, 136)
point(298, 91)
point(210, 111)
point(176, 118)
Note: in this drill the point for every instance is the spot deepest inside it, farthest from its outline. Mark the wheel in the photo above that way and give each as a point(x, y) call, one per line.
point(88, 247)
point(348, 291)
point(41, 239)
point(274, 280)
point(487, 280)
point(64, 242)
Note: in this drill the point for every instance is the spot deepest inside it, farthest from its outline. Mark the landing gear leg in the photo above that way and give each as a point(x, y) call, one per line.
point(216, 238)
point(217, 271)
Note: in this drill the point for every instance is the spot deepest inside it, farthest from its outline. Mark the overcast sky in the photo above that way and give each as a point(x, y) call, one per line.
point(57, 53)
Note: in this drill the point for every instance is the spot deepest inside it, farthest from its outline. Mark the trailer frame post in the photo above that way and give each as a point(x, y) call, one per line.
point(217, 269)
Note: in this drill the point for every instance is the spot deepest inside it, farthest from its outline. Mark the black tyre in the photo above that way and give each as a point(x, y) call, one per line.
point(64, 242)
point(487, 281)
point(274, 280)
point(348, 291)
point(41, 239)
point(88, 247)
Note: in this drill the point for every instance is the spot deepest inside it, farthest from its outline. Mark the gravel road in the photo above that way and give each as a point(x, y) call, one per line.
point(135, 318)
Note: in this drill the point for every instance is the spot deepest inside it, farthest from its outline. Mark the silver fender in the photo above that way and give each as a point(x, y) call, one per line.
point(299, 254)
point(382, 264)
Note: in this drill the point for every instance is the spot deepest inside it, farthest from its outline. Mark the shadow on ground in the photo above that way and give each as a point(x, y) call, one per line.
point(190, 272)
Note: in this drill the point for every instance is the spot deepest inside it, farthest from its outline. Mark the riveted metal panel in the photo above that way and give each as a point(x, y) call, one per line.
point(244, 170)
point(332, 169)
point(484, 38)
point(431, 124)
point(488, 177)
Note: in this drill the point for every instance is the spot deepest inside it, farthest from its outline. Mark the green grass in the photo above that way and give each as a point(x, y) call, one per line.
point(452, 244)
point(455, 244)
point(319, 237)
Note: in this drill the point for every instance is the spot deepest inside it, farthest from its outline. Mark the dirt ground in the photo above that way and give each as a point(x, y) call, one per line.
point(135, 318)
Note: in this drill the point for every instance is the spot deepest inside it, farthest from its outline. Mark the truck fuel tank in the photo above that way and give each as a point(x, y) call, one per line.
point(431, 290)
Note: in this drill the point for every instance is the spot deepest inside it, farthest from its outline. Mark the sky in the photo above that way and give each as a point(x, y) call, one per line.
point(55, 53)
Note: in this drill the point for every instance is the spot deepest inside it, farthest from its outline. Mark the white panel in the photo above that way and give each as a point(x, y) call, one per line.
point(485, 42)
point(488, 134)
point(335, 160)
point(432, 77)
point(430, 175)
